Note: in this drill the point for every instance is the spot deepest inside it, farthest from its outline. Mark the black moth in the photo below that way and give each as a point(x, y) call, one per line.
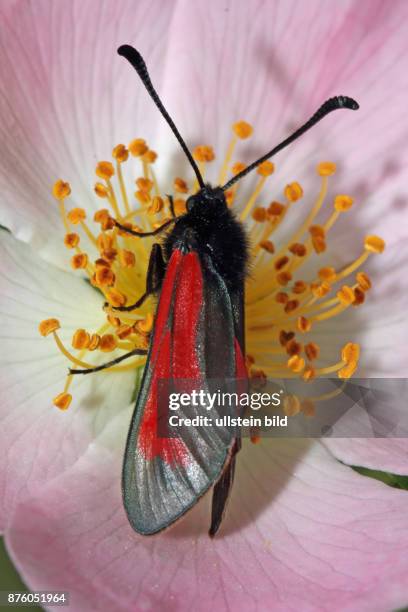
point(198, 272)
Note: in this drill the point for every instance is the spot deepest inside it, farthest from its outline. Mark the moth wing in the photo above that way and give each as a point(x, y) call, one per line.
point(193, 340)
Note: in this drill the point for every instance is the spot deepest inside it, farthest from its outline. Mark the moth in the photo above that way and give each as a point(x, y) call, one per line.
point(198, 271)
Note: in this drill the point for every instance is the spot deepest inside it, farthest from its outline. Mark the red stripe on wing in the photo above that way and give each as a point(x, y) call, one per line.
point(187, 309)
point(174, 349)
point(240, 367)
point(165, 302)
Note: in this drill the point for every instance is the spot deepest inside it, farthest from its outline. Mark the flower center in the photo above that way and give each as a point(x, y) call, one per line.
point(283, 305)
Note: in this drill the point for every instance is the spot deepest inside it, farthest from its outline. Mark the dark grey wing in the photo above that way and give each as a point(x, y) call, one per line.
point(193, 342)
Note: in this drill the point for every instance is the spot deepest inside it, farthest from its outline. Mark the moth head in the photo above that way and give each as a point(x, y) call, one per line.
point(208, 197)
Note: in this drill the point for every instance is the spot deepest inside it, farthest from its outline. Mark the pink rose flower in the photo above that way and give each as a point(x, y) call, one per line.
point(303, 531)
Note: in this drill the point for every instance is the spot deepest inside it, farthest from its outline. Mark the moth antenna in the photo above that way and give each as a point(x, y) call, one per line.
point(138, 63)
point(326, 108)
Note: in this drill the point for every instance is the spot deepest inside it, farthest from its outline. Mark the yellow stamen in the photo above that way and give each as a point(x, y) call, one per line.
point(145, 326)
point(374, 244)
point(304, 325)
point(309, 373)
point(267, 245)
point(291, 305)
point(81, 339)
point(253, 198)
point(48, 326)
point(120, 153)
point(299, 287)
point(242, 130)
point(285, 337)
point(88, 232)
point(293, 192)
point(156, 206)
point(112, 200)
point(350, 352)
point(276, 209)
point(71, 240)
point(298, 249)
point(103, 217)
point(124, 331)
point(281, 297)
point(149, 156)
point(283, 304)
point(68, 355)
point(237, 168)
point(283, 278)
point(79, 261)
point(127, 258)
point(62, 401)
point(296, 363)
point(94, 342)
point(359, 297)
point(265, 169)
point(347, 371)
point(143, 197)
point(105, 170)
point(145, 185)
point(327, 274)
point(180, 186)
point(138, 147)
point(76, 215)
point(312, 351)
point(308, 408)
point(203, 153)
point(343, 203)
point(180, 206)
point(363, 280)
point(291, 405)
point(116, 298)
point(104, 277)
point(319, 290)
point(259, 214)
point(328, 314)
point(239, 131)
point(346, 295)
point(108, 343)
point(102, 263)
point(101, 190)
point(324, 396)
point(281, 262)
point(318, 237)
point(61, 190)
point(293, 347)
point(326, 168)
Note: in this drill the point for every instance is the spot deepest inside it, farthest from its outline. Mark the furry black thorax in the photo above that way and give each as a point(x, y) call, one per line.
point(209, 227)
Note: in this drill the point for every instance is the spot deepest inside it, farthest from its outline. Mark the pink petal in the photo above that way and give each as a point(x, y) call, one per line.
point(387, 455)
point(72, 98)
point(323, 535)
point(275, 64)
point(67, 99)
point(37, 441)
point(302, 532)
point(380, 325)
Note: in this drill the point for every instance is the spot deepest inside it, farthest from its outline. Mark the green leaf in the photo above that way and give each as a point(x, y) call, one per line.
point(392, 480)
point(9, 577)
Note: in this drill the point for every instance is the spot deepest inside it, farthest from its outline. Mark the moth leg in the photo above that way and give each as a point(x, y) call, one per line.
point(154, 278)
point(111, 363)
point(171, 202)
point(143, 234)
point(222, 490)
